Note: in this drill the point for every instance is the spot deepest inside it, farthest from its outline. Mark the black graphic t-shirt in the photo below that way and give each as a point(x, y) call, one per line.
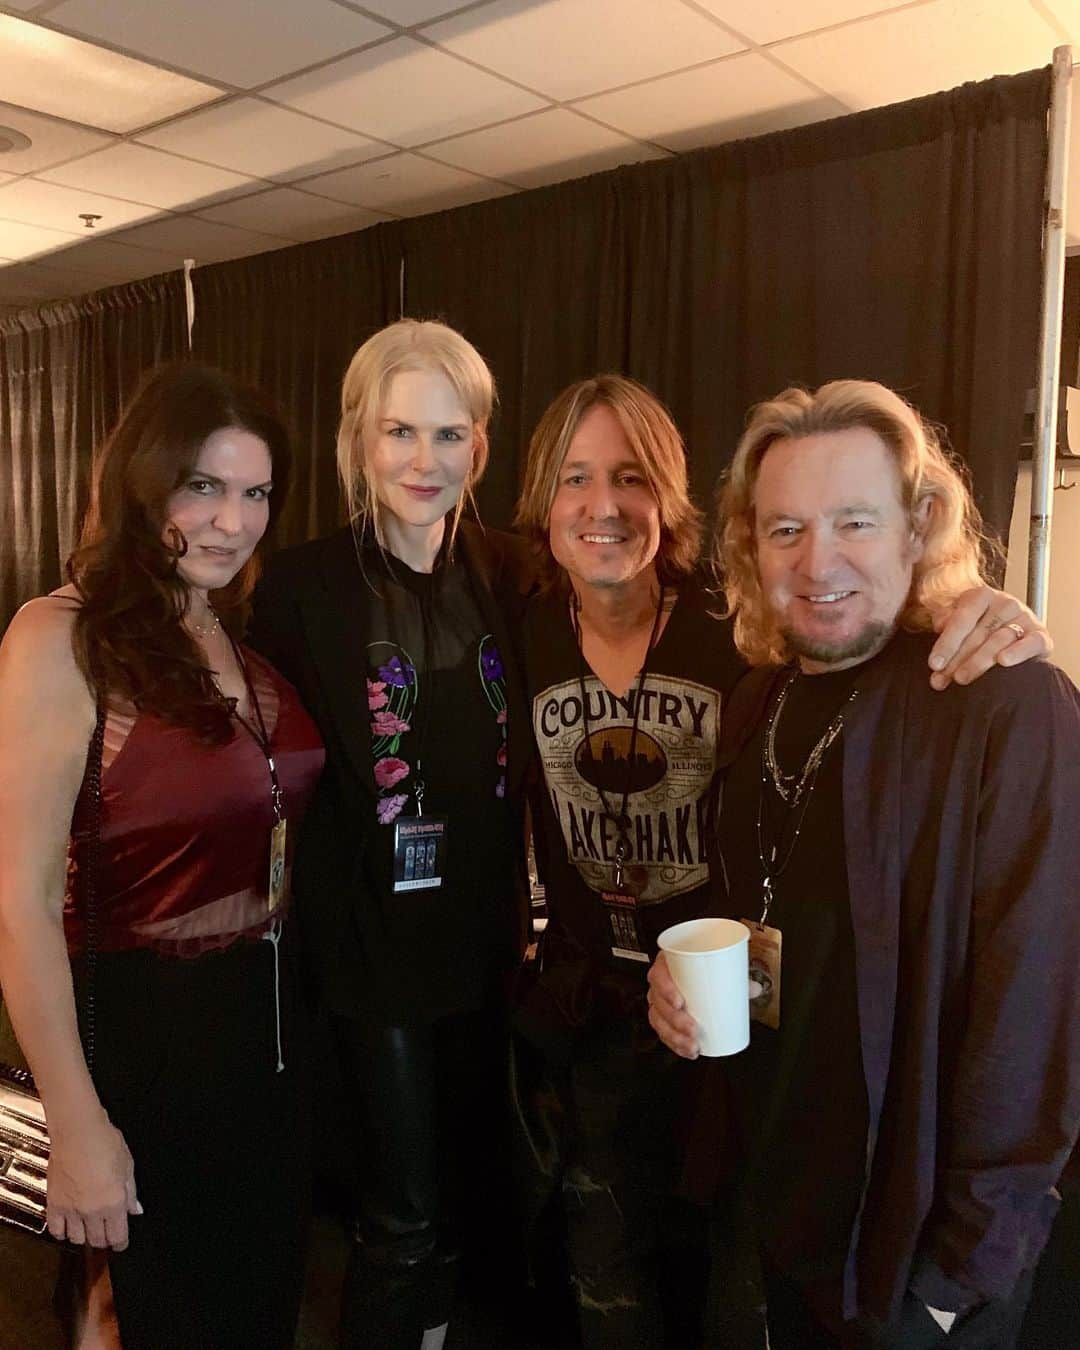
point(584, 757)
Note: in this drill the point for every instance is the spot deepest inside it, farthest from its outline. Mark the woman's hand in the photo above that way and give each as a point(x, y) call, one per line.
point(667, 1012)
point(984, 628)
point(91, 1185)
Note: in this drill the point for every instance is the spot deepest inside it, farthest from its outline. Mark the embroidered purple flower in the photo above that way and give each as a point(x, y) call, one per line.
point(493, 682)
point(389, 771)
point(376, 694)
point(398, 673)
point(491, 666)
point(387, 723)
point(389, 808)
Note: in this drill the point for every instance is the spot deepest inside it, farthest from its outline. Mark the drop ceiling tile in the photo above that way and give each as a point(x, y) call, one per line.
point(745, 95)
point(35, 202)
point(54, 73)
point(292, 215)
point(21, 287)
point(546, 147)
point(260, 138)
point(42, 284)
point(1067, 14)
point(18, 240)
point(921, 50)
point(206, 241)
point(110, 261)
point(51, 141)
point(405, 185)
point(152, 176)
point(408, 13)
point(404, 92)
point(239, 44)
point(568, 48)
point(770, 20)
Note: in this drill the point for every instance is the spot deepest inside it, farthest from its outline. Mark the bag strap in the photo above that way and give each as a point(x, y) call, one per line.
point(15, 1074)
point(92, 787)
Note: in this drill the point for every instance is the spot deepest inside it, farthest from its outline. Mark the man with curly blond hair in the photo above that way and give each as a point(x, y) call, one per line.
point(906, 863)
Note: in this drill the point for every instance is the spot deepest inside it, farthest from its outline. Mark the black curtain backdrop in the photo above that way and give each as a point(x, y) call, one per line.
point(1069, 371)
point(289, 322)
point(65, 372)
point(901, 245)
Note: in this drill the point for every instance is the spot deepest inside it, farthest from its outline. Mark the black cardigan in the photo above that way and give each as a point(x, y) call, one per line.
point(309, 620)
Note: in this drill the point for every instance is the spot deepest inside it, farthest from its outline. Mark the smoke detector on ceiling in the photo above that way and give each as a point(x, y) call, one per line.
point(10, 139)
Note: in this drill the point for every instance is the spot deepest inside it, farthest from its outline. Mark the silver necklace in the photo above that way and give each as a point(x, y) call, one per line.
point(206, 633)
point(791, 786)
point(792, 789)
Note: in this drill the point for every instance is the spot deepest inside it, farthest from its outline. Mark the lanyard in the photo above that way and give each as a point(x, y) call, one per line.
point(259, 734)
point(621, 821)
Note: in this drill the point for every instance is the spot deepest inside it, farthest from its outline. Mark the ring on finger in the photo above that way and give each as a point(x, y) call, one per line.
point(1017, 628)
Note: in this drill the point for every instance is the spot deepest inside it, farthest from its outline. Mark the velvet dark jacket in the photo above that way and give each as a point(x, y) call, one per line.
point(309, 619)
point(963, 861)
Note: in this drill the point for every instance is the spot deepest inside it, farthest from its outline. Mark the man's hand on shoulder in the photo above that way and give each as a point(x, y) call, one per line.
point(982, 629)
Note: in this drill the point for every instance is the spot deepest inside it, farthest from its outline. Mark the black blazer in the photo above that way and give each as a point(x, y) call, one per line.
point(310, 621)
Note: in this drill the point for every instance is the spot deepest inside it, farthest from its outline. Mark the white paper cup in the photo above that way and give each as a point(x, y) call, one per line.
point(708, 960)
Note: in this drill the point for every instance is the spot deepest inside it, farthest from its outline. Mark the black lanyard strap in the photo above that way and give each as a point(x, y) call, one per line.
point(621, 821)
point(259, 733)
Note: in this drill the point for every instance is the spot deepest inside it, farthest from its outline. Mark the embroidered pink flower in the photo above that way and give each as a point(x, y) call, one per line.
point(389, 808)
point(389, 771)
point(501, 719)
point(376, 694)
point(500, 757)
point(387, 723)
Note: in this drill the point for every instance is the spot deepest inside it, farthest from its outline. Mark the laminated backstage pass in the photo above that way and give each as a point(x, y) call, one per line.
point(621, 911)
point(419, 852)
point(275, 891)
point(765, 943)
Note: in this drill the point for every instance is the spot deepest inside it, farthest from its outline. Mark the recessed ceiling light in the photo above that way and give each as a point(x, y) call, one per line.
point(10, 139)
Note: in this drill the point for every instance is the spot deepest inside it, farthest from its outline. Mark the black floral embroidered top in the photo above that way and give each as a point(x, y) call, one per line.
point(436, 695)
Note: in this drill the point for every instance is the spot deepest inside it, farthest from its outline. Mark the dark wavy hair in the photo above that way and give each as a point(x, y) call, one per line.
point(129, 638)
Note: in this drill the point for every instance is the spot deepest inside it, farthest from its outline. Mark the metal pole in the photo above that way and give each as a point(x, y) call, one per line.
point(1046, 405)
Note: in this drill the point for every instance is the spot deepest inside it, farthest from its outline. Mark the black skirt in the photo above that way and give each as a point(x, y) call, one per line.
point(186, 1064)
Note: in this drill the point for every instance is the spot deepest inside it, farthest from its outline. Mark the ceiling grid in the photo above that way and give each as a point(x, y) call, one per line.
point(192, 132)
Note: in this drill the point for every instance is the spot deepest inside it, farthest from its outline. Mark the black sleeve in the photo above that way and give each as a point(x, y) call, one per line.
point(1012, 1107)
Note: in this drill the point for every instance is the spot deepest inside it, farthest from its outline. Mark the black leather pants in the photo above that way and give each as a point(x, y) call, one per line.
point(428, 1110)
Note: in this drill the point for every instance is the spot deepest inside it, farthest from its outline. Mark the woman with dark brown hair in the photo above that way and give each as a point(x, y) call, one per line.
point(150, 768)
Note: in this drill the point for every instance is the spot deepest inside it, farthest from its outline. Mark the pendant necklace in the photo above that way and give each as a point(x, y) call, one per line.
point(794, 790)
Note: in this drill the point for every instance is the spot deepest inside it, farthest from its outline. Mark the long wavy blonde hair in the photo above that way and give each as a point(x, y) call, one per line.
point(933, 493)
point(408, 344)
point(655, 441)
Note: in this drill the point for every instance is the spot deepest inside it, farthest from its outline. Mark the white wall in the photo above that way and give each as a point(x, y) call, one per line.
point(1063, 610)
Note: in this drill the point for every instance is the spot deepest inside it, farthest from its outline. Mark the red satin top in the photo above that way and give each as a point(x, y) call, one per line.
point(185, 827)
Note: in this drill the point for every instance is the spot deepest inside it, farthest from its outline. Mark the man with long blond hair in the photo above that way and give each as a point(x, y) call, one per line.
point(906, 863)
